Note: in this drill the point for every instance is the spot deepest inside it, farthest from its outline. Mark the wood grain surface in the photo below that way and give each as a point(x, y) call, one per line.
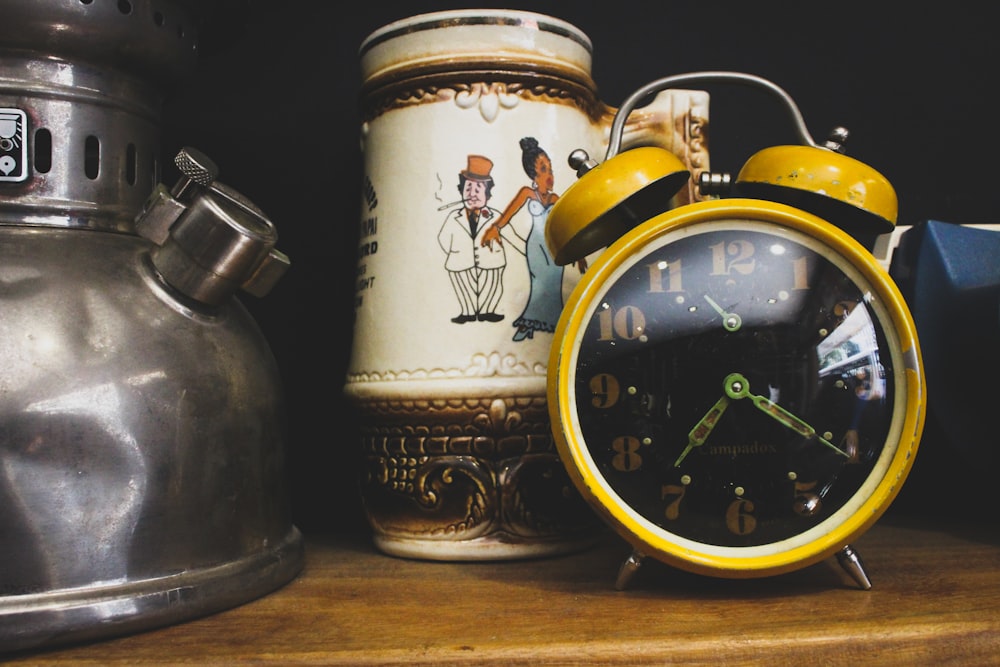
point(935, 600)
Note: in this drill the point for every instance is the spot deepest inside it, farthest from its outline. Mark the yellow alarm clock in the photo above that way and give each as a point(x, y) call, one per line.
point(736, 384)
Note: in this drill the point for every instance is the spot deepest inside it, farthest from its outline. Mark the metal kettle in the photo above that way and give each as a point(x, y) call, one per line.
point(142, 423)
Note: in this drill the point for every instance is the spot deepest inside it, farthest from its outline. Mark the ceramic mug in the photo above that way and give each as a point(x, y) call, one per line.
point(468, 120)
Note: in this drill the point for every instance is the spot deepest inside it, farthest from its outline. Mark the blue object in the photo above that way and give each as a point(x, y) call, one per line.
point(949, 275)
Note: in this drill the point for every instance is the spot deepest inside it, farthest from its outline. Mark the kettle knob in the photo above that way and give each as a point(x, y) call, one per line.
point(163, 207)
point(195, 167)
point(210, 240)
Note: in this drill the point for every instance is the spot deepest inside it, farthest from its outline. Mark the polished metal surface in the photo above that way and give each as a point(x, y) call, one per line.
point(142, 423)
point(141, 435)
point(92, 77)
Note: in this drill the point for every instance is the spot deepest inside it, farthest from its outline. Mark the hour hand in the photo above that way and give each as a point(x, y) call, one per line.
point(730, 321)
point(698, 435)
point(737, 386)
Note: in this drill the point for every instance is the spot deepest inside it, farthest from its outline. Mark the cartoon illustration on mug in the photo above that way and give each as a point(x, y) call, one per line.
point(475, 268)
point(541, 313)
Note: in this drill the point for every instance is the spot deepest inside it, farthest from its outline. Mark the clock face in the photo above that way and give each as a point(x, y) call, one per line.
point(735, 392)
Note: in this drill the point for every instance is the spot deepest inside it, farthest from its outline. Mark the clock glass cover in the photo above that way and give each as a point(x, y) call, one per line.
point(735, 391)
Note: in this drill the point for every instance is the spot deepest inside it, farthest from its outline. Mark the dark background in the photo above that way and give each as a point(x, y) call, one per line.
point(275, 102)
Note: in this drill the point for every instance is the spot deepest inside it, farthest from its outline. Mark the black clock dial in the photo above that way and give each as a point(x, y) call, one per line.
point(733, 383)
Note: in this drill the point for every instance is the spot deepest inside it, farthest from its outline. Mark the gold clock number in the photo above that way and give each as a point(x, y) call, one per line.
point(673, 271)
point(627, 323)
point(732, 256)
point(627, 457)
point(739, 517)
point(675, 492)
point(806, 503)
point(604, 390)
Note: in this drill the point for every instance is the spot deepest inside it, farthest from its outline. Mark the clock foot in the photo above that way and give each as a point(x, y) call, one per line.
point(627, 569)
point(851, 562)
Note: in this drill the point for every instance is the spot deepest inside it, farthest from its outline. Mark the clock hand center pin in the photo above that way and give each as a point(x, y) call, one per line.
point(730, 321)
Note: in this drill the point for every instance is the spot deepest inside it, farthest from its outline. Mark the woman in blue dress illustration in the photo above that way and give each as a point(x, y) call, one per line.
point(541, 313)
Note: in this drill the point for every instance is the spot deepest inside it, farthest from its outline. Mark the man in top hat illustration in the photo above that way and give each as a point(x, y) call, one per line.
point(475, 270)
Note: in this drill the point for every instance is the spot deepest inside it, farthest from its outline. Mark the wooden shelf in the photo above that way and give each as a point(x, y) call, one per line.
point(935, 599)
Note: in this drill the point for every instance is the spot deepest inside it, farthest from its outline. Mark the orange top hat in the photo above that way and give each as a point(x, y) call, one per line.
point(479, 168)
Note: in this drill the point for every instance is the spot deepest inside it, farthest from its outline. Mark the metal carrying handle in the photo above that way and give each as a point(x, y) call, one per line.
point(696, 78)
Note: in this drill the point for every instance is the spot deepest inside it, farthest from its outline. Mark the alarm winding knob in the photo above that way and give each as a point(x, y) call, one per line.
point(581, 162)
point(836, 139)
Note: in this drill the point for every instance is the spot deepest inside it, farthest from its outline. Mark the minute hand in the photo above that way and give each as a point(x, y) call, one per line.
point(782, 415)
point(698, 435)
